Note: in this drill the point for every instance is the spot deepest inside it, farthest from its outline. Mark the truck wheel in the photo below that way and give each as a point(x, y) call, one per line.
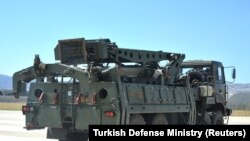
point(136, 119)
point(76, 137)
point(172, 119)
point(208, 120)
point(159, 119)
point(182, 118)
point(218, 118)
point(195, 77)
point(84, 137)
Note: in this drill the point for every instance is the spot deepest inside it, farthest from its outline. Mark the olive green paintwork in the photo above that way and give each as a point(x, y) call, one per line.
point(113, 85)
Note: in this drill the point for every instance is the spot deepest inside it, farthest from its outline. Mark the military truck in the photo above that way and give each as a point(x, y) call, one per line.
point(96, 82)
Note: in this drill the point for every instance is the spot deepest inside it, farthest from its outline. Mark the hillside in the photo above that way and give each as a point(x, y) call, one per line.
point(236, 88)
point(240, 101)
point(5, 82)
point(239, 96)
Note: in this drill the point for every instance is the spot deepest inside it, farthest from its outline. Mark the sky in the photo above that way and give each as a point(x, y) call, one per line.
point(200, 29)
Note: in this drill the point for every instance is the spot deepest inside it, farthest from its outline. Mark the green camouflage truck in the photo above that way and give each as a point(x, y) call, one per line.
point(96, 82)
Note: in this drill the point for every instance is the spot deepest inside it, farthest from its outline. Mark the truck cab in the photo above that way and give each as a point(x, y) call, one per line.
point(208, 76)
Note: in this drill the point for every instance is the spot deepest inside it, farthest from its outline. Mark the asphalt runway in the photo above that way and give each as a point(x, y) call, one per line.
point(11, 128)
point(12, 123)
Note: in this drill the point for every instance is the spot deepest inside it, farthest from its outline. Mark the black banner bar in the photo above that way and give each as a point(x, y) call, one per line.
point(163, 132)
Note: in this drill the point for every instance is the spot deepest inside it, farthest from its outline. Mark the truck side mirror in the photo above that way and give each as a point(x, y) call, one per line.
point(234, 73)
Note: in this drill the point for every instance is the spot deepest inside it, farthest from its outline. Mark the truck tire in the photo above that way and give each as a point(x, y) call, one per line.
point(206, 121)
point(172, 119)
point(159, 119)
point(77, 137)
point(218, 118)
point(84, 137)
point(136, 119)
point(182, 118)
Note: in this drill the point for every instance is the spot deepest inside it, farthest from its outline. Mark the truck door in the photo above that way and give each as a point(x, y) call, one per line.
point(219, 83)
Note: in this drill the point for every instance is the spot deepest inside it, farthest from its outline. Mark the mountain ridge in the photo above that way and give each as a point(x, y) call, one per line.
point(5, 81)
